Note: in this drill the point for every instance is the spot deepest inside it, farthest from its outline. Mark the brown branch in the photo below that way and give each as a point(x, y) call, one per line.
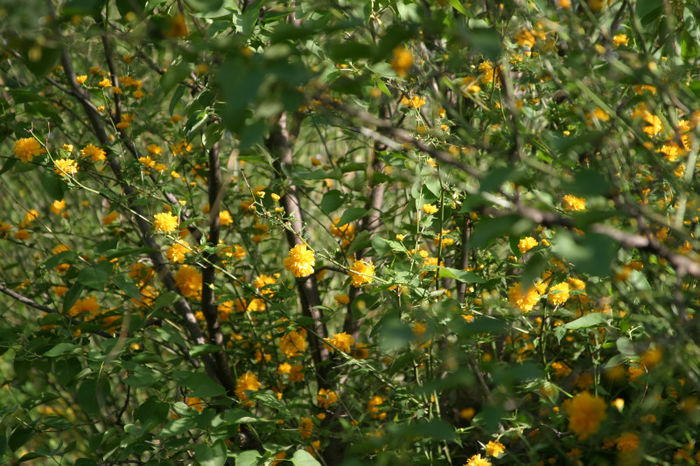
point(159, 262)
point(31, 303)
point(370, 224)
point(464, 263)
point(209, 308)
point(278, 143)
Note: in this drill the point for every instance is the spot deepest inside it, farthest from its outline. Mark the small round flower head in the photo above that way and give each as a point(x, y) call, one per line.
point(300, 261)
point(27, 148)
point(165, 222)
point(65, 167)
point(361, 272)
point(558, 294)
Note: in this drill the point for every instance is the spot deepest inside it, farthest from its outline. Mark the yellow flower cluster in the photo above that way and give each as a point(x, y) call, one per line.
point(293, 343)
point(527, 243)
point(26, 149)
point(300, 261)
point(585, 412)
point(573, 203)
point(342, 341)
point(402, 61)
point(524, 301)
point(361, 273)
point(189, 281)
point(247, 382)
point(165, 222)
point(94, 152)
point(326, 398)
point(558, 294)
point(262, 282)
point(177, 251)
point(65, 167)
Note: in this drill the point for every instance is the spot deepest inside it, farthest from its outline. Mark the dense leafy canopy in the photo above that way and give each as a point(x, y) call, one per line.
point(338, 232)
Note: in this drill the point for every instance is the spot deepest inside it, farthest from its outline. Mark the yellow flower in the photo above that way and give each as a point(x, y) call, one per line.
point(495, 448)
point(342, 341)
point(306, 427)
point(176, 252)
point(596, 5)
point(571, 202)
point(403, 60)
point(80, 79)
point(58, 206)
point(27, 148)
point(585, 414)
point(342, 298)
point(247, 382)
point(525, 38)
point(65, 167)
point(300, 261)
point(429, 209)
point(373, 407)
point(293, 343)
point(627, 442)
point(165, 222)
point(558, 294)
point(225, 218)
point(256, 305)
point(105, 83)
point(361, 272)
point(523, 301)
point(477, 460)
point(262, 281)
point(651, 357)
point(620, 39)
point(94, 152)
point(189, 281)
point(84, 305)
point(110, 218)
point(326, 398)
point(527, 243)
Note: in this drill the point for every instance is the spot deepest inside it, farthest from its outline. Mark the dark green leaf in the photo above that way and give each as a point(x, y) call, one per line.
point(95, 277)
point(214, 455)
point(202, 386)
point(592, 254)
point(460, 275)
point(593, 319)
point(488, 230)
point(352, 214)
point(331, 201)
point(61, 349)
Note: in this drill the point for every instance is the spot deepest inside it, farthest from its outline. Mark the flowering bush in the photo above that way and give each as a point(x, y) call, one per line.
point(323, 233)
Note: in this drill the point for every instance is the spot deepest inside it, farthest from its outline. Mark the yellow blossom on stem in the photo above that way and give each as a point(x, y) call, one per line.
point(585, 412)
point(402, 61)
point(342, 341)
point(524, 301)
point(527, 243)
point(165, 222)
point(429, 209)
point(495, 448)
point(94, 152)
point(477, 460)
point(189, 281)
point(293, 343)
point(573, 203)
point(300, 261)
point(247, 382)
point(558, 294)
point(65, 167)
point(26, 149)
point(361, 272)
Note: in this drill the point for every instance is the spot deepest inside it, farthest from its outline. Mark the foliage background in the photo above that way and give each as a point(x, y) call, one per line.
point(430, 138)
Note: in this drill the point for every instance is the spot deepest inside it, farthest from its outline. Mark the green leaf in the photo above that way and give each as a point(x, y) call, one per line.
point(71, 296)
point(486, 41)
point(331, 201)
point(202, 386)
point(463, 276)
point(19, 437)
point(214, 455)
point(174, 76)
point(457, 5)
point(304, 458)
point(61, 349)
point(65, 257)
point(592, 254)
point(81, 8)
point(588, 182)
point(246, 21)
point(95, 277)
point(141, 378)
point(127, 285)
point(352, 214)
point(361, 241)
point(8, 165)
point(488, 230)
point(207, 348)
point(53, 185)
point(89, 393)
point(593, 319)
point(247, 458)
point(205, 6)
